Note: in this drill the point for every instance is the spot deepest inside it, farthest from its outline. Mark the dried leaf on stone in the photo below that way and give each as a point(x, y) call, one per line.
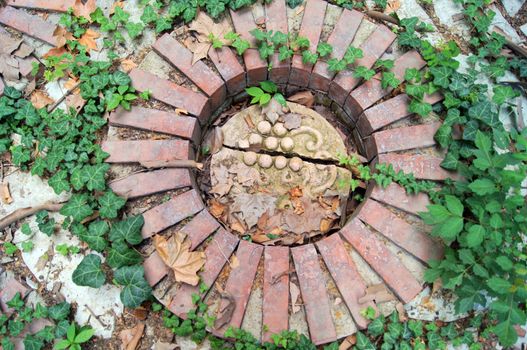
point(72, 83)
point(202, 27)
point(164, 346)
point(199, 50)
point(235, 262)
point(75, 101)
point(116, 4)
point(305, 98)
point(392, 6)
point(175, 252)
point(216, 208)
point(296, 192)
point(130, 337)
point(40, 99)
point(6, 194)
point(292, 121)
point(88, 40)
point(227, 310)
point(23, 51)
point(237, 225)
point(260, 238)
point(252, 206)
point(61, 36)
point(295, 293)
point(128, 65)
point(221, 189)
point(84, 9)
point(273, 110)
point(55, 52)
point(348, 342)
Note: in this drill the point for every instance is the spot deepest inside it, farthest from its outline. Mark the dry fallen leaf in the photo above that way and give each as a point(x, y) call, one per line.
point(203, 26)
point(61, 35)
point(296, 192)
point(216, 208)
point(295, 293)
point(116, 4)
point(305, 98)
point(392, 6)
point(88, 40)
point(326, 224)
point(84, 10)
point(76, 102)
point(130, 337)
point(176, 253)
point(128, 65)
point(40, 99)
point(6, 194)
point(348, 342)
point(234, 262)
point(180, 111)
point(55, 52)
point(260, 238)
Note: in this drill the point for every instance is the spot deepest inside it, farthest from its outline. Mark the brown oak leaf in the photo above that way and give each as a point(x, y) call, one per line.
point(175, 252)
point(88, 40)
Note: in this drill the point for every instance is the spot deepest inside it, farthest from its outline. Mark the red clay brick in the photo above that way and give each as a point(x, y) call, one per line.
point(423, 166)
point(200, 227)
point(314, 294)
point(396, 196)
point(400, 139)
point(172, 94)
point(240, 282)
point(230, 69)
point(144, 184)
point(407, 236)
point(381, 259)
point(49, 5)
point(26, 23)
point(255, 67)
point(276, 20)
point(139, 151)
point(200, 74)
point(346, 276)
point(388, 112)
point(275, 293)
point(310, 28)
point(373, 48)
point(371, 91)
point(170, 213)
point(155, 269)
point(340, 39)
point(11, 288)
point(158, 121)
point(218, 250)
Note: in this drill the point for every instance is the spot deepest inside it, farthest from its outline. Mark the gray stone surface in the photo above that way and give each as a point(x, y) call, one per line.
point(450, 14)
point(512, 6)
point(500, 22)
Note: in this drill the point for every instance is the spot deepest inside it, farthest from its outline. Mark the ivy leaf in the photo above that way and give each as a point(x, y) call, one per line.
point(128, 230)
point(336, 65)
point(120, 15)
point(215, 8)
point(78, 207)
point(309, 57)
point(110, 203)
point(376, 327)
point(482, 187)
point(59, 182)
point(451, 161)
point(94, 236)
point(136, 288)
point(269, 86)
point(352, 54)
point(324, 49)
point(93, 176)
point(89, 272)
point(121, 255)
point(421, 108)
point(363, 342)
point(134, 29)
point(389, 79)
point(284, 53)
point(441, 75)
point(121, 78)
point(503, 93)
point(363, 72)
point(265, 50)
point(443, 135)
point(59, 311)
point(31, 342)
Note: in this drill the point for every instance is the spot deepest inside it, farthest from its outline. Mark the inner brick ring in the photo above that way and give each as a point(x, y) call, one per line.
point(276, 178)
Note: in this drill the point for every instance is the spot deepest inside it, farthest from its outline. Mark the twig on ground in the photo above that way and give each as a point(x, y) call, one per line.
point(52, 107)
point(21, 213)
point(178, 163)
point(383, 17)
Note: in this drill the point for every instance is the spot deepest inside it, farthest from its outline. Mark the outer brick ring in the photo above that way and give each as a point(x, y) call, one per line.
point(372, 113)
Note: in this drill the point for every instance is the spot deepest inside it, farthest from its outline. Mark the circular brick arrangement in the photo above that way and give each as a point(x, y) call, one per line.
point(377, 257)
point(383, 243)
